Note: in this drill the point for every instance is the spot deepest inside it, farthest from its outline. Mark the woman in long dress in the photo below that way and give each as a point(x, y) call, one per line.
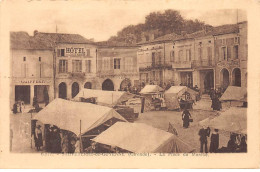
point(38, 138)
point(186, 118)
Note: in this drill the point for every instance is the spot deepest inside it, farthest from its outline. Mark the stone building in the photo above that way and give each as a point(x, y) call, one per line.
point(117, 66)
point(231, 55)
point(155, 59)
point(31, 68)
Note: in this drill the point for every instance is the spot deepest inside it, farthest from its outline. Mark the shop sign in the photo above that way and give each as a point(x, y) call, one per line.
point(34, 81)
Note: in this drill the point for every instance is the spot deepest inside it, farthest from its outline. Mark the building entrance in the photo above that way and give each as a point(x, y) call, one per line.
point(22, 93)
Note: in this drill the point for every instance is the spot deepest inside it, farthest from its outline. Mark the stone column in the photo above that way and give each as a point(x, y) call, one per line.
point(31, 94)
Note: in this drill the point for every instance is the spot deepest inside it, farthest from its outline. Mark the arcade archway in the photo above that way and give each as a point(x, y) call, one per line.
point(236, 77)
point(88, 85)
point(74, 89)
point(63, 90)
point(224, 74)
point(108, 85)
point(126, 83)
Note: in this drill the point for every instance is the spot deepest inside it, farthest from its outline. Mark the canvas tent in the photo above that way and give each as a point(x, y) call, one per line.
point(67, 115)
point(104, 97)
point(233, 120)
point(141, 138)
point(151, 89)
point(172, 95)
point(234, 93)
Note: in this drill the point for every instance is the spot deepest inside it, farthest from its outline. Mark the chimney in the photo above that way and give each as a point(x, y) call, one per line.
point(151, 36)
point(35, 32)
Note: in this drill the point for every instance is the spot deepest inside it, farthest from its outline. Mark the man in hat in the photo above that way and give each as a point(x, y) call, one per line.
point(204, 133)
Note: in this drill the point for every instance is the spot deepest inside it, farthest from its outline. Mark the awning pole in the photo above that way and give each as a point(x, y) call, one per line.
point(80, 139)
point(31, 129)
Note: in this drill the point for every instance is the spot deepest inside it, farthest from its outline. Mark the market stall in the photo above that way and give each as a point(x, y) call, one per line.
point(140, 138)
point(234, 96)
point(152, 95)
point(179, 97)
point(83, 119)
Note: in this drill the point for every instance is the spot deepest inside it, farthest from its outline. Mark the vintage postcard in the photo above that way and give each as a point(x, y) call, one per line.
point(129, 84)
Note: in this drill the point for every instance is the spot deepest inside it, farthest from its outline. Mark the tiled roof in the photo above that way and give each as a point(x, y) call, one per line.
point(22, 40)
point(219, 30)
point(115, 44)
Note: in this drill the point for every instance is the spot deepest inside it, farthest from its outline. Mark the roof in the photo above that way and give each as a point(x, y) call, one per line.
point(232, 120)
point(67, 115)
point(115, 44)
point(22, 40)
point(141, 138)
point(213, 31)
point(105, 97)
point(150, 89)
point(234, 93)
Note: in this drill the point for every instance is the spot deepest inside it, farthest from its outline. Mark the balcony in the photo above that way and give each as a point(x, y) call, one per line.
point(181, 65)
point(203, 63)
point(150, 66)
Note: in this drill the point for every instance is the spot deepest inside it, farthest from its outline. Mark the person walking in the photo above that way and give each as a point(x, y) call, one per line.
point(204, 133)
point(38, 138)
point(214, 141)
point(186, 118)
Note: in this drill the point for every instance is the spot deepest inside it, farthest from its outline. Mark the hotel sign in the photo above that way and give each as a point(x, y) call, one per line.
point(75, 51)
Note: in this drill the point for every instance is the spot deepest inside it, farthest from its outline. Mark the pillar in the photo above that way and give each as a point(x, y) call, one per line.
point(31, 94)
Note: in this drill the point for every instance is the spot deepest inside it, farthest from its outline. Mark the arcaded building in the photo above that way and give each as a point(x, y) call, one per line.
point(116, 66)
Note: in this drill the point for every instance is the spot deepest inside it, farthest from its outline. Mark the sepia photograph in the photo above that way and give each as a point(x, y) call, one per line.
point(95, 78)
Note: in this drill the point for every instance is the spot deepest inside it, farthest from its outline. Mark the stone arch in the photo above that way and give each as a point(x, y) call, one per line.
point(88, 85)
point(236, 77)
point(108, 85)
point(74, 89)
point(63, 90)
point(126, 83)
point(224, 78)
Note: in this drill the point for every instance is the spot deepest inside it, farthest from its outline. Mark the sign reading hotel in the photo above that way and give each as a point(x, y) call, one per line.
point(75, 51)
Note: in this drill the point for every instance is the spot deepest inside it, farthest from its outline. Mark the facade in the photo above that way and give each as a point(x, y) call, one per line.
point(155, 60)
point(117, 67)
point(32, 69)
point(75, 68)
point(231, 56)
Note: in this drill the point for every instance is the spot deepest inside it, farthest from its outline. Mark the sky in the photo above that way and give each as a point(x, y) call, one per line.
point(99, 19)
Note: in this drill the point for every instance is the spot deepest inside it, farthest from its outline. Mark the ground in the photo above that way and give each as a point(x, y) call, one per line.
point(22, 141)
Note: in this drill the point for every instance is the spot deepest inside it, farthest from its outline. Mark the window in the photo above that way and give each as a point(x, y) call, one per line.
point(88, 52)
point(159, 58)
point(180, 55)
point(153, 59)
point(236, 40)
point(188, 55)
point(105, 63)
point(40, 59)
point(63, 66)
point(223, 53)
point(116, 63)
point(76, 66)
point(209, 51)
point(172, 56)
point(228, 53)
point(129, 64)
point(88, 66)
point(200, 53)
point(235, 52)
point(24, 59)
point(60, 52)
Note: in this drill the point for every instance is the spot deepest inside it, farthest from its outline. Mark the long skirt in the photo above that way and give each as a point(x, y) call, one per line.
point(38, 141)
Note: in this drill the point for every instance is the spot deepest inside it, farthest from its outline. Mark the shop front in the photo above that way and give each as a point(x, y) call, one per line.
point(25, 90)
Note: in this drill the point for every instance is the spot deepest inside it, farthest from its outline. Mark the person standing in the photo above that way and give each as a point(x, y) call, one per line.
point(214, 141)
point(186, 118)
point(38, 138)
point(243, 145)
point(232, 146)
point(204, 133)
